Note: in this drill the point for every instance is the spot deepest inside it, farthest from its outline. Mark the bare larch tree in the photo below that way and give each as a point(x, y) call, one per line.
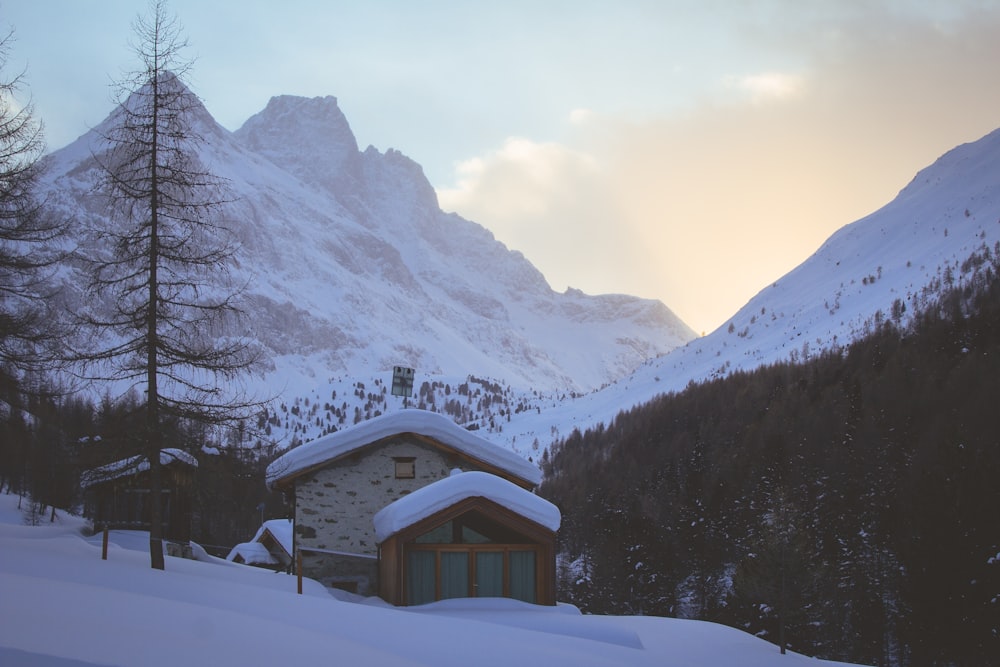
point(162, 300)
point(29, 238)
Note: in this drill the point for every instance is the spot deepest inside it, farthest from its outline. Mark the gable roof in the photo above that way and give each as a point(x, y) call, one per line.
point(280, 530)
point(134, 465)
point(431, 425)
point(254, 551)
point(446, 492)
point(251, 553)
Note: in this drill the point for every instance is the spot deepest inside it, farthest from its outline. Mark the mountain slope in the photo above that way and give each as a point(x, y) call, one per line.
point(885, 266)
point(353, 268)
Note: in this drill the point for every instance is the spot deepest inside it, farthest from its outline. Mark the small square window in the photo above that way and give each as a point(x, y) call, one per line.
point(405, 467)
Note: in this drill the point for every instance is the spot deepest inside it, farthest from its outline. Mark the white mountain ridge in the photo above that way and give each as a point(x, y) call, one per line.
point(353, 268)
point(901, 254)
point(896, 259)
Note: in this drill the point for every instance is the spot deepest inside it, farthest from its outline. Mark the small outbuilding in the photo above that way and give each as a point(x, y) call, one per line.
point(270, 547)
point(117, 495)
point(472, 534)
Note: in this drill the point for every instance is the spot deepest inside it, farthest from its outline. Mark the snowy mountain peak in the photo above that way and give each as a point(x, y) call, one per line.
point(308, 137)
point(352, 267)
point(967, 167)
point(179, 100)
point(315, 124)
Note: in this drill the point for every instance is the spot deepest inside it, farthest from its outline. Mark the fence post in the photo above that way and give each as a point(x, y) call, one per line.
point(298, 568)
point(104, 544)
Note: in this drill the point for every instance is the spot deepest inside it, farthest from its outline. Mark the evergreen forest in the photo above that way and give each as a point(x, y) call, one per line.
point(49, 440)
point(846, 508)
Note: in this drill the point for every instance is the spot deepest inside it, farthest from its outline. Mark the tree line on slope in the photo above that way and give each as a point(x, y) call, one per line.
point(845, 507)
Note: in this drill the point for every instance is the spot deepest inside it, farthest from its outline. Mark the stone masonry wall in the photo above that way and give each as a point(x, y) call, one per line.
point(357, 574)
point(334, 506)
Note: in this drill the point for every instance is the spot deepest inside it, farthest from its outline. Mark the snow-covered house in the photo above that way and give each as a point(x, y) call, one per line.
point(472, 534)
point(270, 547)
point(116, 495)
point(338, 483)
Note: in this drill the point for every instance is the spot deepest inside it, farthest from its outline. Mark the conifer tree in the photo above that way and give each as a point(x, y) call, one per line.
point(28, 237)
point(161, 294)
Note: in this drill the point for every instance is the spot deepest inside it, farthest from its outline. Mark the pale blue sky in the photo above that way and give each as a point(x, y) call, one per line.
point(438, 80)
point(687, 151)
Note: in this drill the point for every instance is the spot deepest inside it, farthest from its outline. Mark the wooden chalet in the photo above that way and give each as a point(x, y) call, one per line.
point(469, 535)
point(117, 495)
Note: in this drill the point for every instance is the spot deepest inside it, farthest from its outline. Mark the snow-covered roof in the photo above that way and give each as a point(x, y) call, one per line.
point(255, 553)
point(134, 465)
point(422, 422)
point(281, 529)
point(252, 553)
point(444, 493)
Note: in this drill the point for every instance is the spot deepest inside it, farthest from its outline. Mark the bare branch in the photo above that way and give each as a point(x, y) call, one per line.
point(164, 311)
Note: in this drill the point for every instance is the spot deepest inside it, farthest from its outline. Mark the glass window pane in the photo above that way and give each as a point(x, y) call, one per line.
point(469, 536)
point(489, 574)
point(440, 535)
point(420, 567)
point(454, 574)
point(405, 469)
point(522, 575)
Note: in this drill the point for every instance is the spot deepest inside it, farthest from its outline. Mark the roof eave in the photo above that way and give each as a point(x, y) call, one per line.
point(287, 482)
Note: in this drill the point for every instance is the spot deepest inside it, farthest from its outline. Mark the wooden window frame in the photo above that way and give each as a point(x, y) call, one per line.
point(530, 536)
point(470, 550)
point(405, 467)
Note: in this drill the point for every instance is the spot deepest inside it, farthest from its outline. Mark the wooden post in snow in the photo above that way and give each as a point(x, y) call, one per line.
point(104, 544)
point(298, 568)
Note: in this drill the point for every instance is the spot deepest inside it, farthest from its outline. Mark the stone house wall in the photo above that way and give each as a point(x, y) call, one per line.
point(335, 505)
point(355, 574)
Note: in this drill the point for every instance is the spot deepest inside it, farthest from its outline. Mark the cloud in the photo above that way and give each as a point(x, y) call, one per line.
point(523, 179)
point(580, 116)
point(705, 207)
point(553, 203)
point(768, 85)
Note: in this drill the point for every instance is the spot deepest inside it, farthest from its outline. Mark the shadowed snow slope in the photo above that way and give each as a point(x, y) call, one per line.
point(62, 606)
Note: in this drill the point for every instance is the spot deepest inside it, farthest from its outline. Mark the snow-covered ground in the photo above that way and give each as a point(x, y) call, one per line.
point(62, 606)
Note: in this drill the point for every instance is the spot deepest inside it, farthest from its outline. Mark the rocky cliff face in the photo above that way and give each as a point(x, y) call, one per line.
point(353, 268)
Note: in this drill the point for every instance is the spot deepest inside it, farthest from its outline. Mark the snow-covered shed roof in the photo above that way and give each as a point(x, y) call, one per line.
point(134, 465)
point(281, 529)
point(255, 553)
point(444, 493)
point(422, 422)
point(252, 553)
